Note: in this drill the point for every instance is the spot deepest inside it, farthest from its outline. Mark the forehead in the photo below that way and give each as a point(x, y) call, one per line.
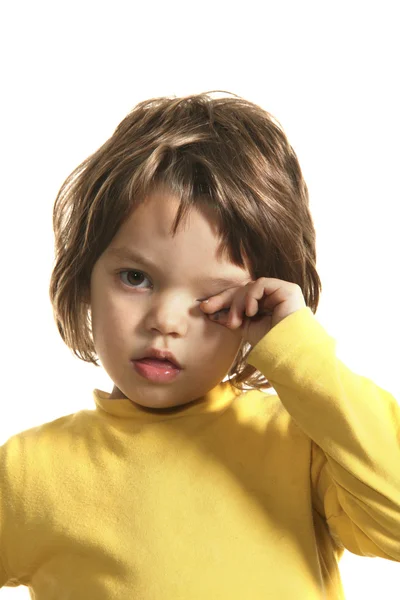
point(151, 223)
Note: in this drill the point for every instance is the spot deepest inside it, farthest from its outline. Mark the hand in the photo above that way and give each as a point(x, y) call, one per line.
point(255, 307)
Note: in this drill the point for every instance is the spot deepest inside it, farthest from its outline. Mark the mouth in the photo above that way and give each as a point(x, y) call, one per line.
point(158, 362)
point(163, 357)
point(156, 370)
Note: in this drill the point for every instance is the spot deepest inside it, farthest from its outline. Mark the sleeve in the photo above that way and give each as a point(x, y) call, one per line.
point(10, 477)
point(354, 426)
point(3, 518)
point(3, 574)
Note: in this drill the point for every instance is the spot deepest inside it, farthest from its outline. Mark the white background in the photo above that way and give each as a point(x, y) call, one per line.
point(328, 71)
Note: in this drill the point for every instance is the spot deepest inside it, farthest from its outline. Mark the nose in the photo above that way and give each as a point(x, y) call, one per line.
point(170, 317)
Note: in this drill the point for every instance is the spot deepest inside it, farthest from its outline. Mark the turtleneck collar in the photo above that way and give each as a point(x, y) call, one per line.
point(216, 400)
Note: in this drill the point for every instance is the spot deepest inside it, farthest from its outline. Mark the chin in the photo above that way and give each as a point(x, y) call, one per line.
point(116, 394)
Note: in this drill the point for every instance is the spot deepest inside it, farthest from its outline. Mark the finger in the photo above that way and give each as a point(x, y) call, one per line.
point(237, 313)
point(251, 307)
point(205, 306)
point(216, 302)
point(247, 307)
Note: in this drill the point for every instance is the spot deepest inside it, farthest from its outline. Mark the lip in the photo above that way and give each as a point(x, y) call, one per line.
point(156, 373)
point(161, 354)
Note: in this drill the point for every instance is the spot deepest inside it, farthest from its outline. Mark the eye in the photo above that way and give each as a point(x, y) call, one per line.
point(222, 311)
point(139, 275)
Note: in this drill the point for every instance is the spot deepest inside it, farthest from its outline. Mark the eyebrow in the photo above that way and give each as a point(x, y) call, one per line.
point(125, 253)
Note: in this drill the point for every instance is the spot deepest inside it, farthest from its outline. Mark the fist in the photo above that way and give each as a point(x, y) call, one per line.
point(255, 307)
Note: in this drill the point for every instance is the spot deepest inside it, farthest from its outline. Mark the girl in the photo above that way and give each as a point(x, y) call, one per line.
point(186, 263)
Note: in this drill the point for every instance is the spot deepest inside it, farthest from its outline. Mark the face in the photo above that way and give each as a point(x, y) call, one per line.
point(136, 306)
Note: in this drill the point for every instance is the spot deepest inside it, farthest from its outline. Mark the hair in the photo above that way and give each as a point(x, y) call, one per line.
point(226, 153)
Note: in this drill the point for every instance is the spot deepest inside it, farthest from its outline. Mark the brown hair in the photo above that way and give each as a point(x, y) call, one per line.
point(226, 152)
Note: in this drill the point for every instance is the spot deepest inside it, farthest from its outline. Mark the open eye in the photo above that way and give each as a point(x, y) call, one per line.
point(136, 272)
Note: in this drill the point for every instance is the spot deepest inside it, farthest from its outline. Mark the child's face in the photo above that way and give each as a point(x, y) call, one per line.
point(159, 306)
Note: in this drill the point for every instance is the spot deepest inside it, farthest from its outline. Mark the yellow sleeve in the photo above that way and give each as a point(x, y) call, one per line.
point(3, 574)
point(351, 522)
point(354, 426)
point(11, 475)
point(3, 517)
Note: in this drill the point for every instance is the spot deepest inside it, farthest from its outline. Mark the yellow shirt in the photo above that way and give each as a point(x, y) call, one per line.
point(236, 496)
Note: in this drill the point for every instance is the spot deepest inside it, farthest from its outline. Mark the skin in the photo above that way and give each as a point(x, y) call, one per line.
point(161, 307)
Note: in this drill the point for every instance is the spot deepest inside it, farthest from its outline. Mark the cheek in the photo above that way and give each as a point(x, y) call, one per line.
point(122, 319)
point(224, 344)
point(113, 319)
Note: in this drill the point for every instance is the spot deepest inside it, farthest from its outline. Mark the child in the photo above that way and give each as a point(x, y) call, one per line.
point(189, 481)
